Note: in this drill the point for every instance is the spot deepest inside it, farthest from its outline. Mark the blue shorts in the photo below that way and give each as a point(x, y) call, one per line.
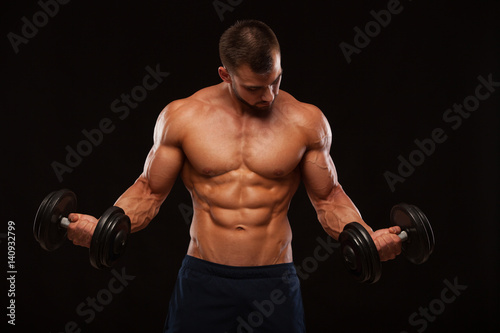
point(210, 297)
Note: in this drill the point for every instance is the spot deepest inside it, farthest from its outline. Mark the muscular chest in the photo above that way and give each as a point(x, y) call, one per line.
point(269, 147)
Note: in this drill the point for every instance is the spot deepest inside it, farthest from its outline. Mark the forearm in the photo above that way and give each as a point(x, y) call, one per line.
point(140, 203)
point(337, 210)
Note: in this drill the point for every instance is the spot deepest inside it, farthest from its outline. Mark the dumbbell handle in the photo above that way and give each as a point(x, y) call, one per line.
point(403, 235)
point(65, 222)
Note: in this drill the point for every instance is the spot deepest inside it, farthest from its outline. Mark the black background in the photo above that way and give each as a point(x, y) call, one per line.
point(396, 90)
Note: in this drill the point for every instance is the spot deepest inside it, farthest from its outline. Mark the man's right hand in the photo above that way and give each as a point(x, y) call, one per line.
point(81, 229)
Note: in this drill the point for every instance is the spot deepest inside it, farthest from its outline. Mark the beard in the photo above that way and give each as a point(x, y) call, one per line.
point(258, 107)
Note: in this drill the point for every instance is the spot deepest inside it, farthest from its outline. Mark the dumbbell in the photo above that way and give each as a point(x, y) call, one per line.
point(110, 236)
point(360, 254)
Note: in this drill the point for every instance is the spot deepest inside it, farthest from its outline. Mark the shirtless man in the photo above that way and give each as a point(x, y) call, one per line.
point(241, 148)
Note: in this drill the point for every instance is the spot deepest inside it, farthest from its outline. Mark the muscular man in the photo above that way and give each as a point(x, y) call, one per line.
point(241, 148)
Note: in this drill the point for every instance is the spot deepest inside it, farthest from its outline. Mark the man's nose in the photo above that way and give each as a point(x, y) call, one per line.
point(268, 95)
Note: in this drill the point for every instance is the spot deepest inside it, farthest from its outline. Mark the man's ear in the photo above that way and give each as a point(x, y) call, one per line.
point(224, 74)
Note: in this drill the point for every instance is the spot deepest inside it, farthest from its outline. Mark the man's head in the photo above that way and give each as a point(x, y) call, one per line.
point(248, 42)
point(250, 55)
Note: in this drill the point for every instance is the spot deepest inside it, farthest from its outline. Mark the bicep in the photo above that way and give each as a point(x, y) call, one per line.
point(319, 174)
point(165, 159)
point(318, 170)
point(162, 167)
point(335, 209)
point(143, 199)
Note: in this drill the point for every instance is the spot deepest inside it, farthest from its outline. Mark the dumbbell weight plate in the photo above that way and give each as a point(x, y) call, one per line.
point(47, 228)
point(428, 229)
point(420, 243)
point(102, 245)
point(360, 253)
point(99, 236)
point(41, 216)
point(116, 239)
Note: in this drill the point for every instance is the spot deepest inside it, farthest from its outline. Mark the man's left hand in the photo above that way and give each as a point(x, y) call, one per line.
point(387, 242)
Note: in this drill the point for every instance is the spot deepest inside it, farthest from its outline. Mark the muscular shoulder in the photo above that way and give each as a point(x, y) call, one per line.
point(177, 115)
point(182, 109)
point(310, 120)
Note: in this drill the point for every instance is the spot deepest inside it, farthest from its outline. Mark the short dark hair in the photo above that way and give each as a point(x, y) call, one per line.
point(248, 42)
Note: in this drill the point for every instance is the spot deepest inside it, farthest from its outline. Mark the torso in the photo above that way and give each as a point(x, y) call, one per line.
point(242, 171)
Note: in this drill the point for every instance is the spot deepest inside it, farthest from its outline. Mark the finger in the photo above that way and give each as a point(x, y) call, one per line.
point(395, 230)
point(80, 233)
point(390, 246)
point(381, 244)
point(394, 245)
point(388, 231)
point(74, 217)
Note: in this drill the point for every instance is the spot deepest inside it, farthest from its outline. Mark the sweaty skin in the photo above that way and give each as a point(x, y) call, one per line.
point(241, 148)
